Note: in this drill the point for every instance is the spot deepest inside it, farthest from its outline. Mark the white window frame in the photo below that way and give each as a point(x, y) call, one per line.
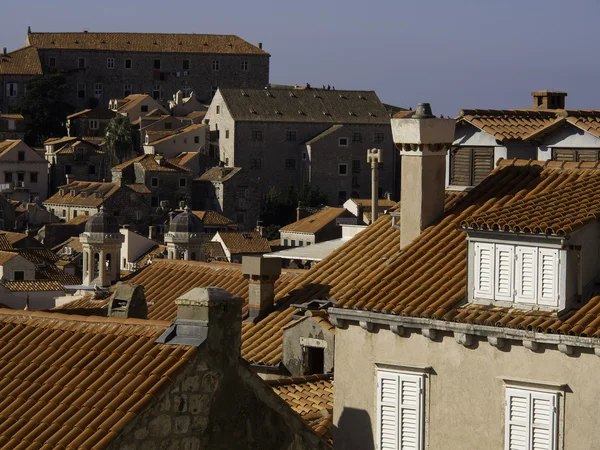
point(554, 299)
point(528, 424)
point(98, 89)
point(487, 292)
point(504, 266)
point(245, 66)
point(110, 63)
point(396, 408)
point(346, 142)
point(520, 295)
point(215, 65)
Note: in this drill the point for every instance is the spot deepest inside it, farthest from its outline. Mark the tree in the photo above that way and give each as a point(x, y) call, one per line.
point(118, 138)
point(44, 108)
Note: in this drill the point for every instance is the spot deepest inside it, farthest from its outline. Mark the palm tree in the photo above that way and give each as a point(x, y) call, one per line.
point(118, 138)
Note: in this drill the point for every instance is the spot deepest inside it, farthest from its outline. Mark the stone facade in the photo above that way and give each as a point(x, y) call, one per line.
point(12, 126)
point(23, 172)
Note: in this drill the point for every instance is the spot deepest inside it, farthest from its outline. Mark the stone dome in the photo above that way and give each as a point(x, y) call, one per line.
point(102, 222)
point(186, 222)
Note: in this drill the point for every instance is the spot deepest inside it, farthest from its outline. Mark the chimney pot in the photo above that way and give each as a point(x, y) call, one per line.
point(260, 45)
point(4, 51)
point(261, 273)
point(151, 232)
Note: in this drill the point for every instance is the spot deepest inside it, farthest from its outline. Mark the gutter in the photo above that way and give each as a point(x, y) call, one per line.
point(463, 332)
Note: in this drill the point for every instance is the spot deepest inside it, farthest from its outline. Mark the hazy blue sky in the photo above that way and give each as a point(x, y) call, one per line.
point(455, 54)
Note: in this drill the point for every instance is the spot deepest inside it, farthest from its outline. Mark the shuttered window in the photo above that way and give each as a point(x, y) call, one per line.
point(531, 418)
point(400, 410)
point(547, 277)
point(470, 166)
point(573, 155)
point(484, 270)
point(504, 272)
point(526, 277)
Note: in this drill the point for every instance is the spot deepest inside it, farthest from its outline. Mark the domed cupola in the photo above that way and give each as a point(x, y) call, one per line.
point(102, 222)
point(186, 222)
point(184, 239)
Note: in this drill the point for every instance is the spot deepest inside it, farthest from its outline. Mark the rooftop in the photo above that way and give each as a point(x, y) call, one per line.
point(244, 242)
point(315, 222)
point(94, 193)
point(219, 174)
point(154, 163)
point(23, 61)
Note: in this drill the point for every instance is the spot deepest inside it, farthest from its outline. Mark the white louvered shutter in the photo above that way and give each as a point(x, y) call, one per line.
point(411, 423)
point(543, 421)
point(526, 275)
point(518, 427)
point(504, 272)
point(531, 419)
point(387, 405)
point(548, 277)
point(400, 411)
point(484, 270)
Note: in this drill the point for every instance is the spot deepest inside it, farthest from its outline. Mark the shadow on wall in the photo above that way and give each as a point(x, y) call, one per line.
point(353, 431)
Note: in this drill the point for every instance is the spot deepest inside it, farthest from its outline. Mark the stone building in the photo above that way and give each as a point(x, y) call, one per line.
point(104, 66)
point(231, 191)
point(73, 158)
point(237, 244)
point(150, 384)
point(90, 122)
point(130, 203)
point(191, 138)
point(23, 172)
point(16, 69)
point(165, 179)
point(12, 126)
point(303, 137)
point(318, 227)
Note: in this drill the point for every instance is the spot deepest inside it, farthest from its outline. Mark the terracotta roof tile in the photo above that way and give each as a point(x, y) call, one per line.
point(219, 174)
point(508, 124)
point(7, 256)
point(244, 242)
point(146, 42)
point(213, 218)
point(24, 61)
point(315, 222)
point(33, 286)
point(154, 163)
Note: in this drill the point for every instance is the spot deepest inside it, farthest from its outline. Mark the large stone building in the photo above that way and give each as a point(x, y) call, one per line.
point(23, 172)
point(304, 137)
point(104, 66)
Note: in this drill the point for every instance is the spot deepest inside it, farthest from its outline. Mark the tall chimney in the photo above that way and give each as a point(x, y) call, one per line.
point(374, 157)
point(423, 141)
point(151, 232)
point(261, 273)
point(210, 315)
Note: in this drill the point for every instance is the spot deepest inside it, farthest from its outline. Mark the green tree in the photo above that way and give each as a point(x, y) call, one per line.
point(119, 141)
point(279, 208)
point(44, 108)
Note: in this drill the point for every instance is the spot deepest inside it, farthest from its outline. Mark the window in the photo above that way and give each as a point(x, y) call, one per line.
point(343, 169)
point(531, 419)
point(215, 65)
point(218, 109)
point(128, 64)
point(156, 92)
point(257, 135)
point(378, 138)
point(244, 66)
point(74, 213)
point(80, 90)
point(572, 155)
point(304, 156)
point(290, 136)
point(529, 278)
point(19, 275)
point(67, 169)
point(98, 89)
point(64, 213)
point(290, 164)
point(186, 64)
point(52, 62)
point(356, 165)
point(187, 91)
point(256, 163)
point(92, 169)
point(285, 242)
point(94, 125)
point(21, 176)
point(8, 177)
point(110, 63)
point(226, 134)
point(301, 244)
point(315, 358)
point(182, 182)
point(196, 139)
point(356, 137)
point(469, 166)
point(81, 63)
point(184, 141)
point(144, 108)
point(127, 90)
point(21, 156)
point(154, 182)
point(33, 177)
point(156, 64)
point(12, 89)
point(343, 142)
point(400, 410)
point(293, 243)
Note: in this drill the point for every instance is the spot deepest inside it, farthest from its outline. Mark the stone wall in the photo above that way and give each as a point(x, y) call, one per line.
point(11, 104)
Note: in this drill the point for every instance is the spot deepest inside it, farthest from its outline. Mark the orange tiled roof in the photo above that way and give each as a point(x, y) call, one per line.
point(153, 163)
point(146, 42)
point(314, 222)
point(24, 61)
point(589, 123)
point(366, 202)
point(244, 242)
point(173, 134)
point(55, 368)
point(34, 286)
point(509, 124)
point(213, 218)
point(6, 256)
point(311, 397)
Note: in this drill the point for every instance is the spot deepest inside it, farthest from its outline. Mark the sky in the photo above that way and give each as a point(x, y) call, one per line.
point(454, 54)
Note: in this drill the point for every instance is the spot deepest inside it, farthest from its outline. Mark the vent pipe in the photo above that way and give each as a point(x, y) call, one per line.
point(374, 157)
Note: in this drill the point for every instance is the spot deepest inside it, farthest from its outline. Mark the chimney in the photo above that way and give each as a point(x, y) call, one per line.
point(128, 301)
point(301, 212)
point(208, 314)
point(547, 99)
point(4, 51)
point(423, 141)
point(261, 273)
point(260, 45)
point(374, 157)
point(151, 232)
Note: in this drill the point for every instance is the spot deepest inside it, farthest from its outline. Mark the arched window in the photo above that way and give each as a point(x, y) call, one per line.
point(108, 262)
point(96, 267)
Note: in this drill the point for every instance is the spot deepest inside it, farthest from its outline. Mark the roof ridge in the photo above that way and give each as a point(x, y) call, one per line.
point(300, 379)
